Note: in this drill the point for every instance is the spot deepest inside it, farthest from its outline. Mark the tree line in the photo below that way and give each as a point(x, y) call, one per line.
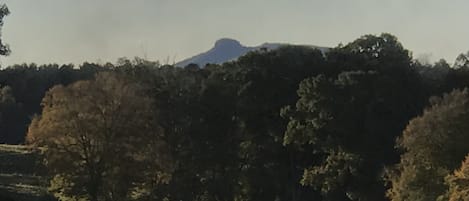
point(362, 121)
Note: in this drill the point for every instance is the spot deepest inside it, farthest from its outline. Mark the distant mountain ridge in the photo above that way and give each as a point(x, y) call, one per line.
point(227, 49)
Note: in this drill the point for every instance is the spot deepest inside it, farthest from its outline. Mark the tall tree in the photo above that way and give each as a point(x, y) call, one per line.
point(349, 120)
point(197, 116)
point(10, 115)
point(29, 83)
point(4, 48)
point(100, 139)
point(434, 145)
point(266, 81)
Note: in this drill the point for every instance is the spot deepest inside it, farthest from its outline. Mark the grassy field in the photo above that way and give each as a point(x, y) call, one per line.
point(21, 175)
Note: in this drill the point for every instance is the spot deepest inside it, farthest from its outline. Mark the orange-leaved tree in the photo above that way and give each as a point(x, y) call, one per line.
point(100, 140)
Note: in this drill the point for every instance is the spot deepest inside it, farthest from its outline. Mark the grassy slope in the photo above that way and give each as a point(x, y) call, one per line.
point(21, 174)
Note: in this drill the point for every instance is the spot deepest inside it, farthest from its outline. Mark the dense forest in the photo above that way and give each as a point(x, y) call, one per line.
point(362, 121)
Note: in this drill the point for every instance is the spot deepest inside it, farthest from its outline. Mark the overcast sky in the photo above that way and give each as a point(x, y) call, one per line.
point(74, 31)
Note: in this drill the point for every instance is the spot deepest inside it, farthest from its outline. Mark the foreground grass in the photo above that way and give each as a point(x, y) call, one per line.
point(22, 177)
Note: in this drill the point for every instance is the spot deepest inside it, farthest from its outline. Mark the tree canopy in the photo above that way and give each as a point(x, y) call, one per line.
point(4, 11)
point(434, 145)
point(350, 119)
point(99, 138)
point(290, 124)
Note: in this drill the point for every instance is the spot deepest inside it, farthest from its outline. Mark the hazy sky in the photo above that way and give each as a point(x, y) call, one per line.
point(73, 31)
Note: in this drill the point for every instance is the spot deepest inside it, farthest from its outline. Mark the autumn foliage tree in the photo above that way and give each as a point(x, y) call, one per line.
point(459, 183)
point(434, 145)
point(100, 140)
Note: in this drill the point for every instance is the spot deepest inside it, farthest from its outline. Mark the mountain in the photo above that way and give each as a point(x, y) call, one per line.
point(227, 49)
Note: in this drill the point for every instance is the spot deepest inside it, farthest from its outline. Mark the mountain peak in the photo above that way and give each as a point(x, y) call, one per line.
point(227, 49)
point(227, 42)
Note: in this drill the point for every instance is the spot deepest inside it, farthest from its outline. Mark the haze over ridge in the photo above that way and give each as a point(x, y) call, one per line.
point(69, 31)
